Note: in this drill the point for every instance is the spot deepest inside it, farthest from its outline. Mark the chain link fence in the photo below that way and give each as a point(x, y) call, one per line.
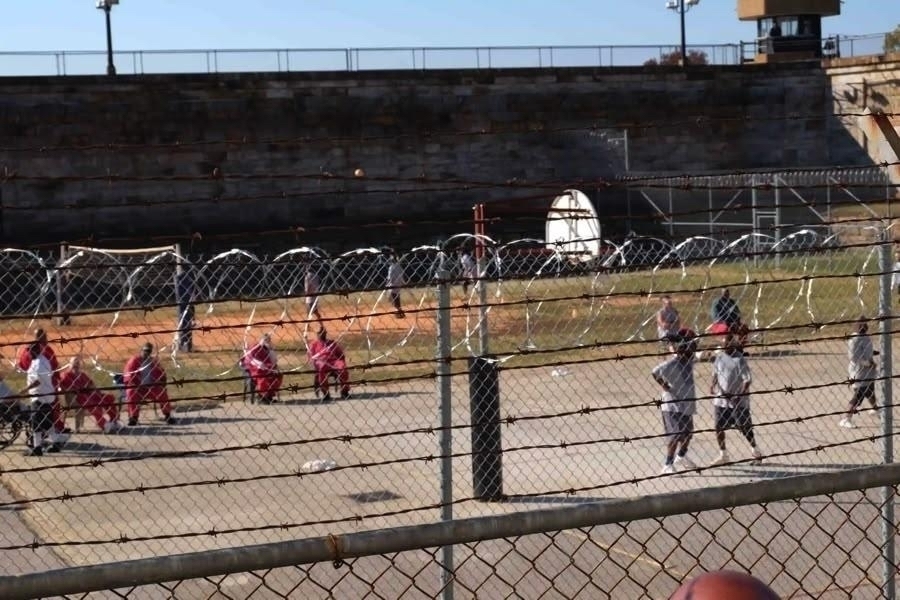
point(803, 541)
point(318, 395)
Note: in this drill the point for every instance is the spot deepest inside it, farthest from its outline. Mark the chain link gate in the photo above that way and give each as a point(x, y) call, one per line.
point(565, 383)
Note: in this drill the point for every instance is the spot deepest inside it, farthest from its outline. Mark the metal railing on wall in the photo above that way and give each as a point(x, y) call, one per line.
point(139, 62)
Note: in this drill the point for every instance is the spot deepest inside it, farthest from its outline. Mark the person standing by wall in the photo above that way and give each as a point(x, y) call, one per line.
point(185, 297)
point(311, 289)
point(395, 281)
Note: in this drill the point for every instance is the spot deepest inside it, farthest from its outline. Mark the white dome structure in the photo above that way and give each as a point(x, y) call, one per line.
point(573, 227)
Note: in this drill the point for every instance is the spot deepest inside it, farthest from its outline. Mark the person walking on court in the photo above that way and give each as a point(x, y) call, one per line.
point(678, 403)
point(311, 289)
point(731, 387)
point(861, 369)
point(395, 282)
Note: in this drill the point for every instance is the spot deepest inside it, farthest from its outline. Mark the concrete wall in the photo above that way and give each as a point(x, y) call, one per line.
point(227, 153)
point(861, 83)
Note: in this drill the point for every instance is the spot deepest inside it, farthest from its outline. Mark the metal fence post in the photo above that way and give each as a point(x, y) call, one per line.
point(889, 591)
point(887, 418)
point(444, 391)
point(481, 262)
point(62, 316)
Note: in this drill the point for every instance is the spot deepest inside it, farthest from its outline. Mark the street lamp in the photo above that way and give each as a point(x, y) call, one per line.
point(106, 7)
point(682, 6)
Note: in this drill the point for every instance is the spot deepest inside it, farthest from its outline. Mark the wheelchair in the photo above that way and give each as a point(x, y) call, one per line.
point(14, 419)
point(249, 390)
point(334, 382)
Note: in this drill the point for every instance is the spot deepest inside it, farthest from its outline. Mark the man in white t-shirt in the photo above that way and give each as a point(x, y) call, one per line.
point(39, 379)
point(731, 387)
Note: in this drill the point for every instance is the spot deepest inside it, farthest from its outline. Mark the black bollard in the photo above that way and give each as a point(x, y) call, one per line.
point(487, 448)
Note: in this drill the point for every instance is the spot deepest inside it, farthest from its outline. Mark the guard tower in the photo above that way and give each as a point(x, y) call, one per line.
point(788, 30)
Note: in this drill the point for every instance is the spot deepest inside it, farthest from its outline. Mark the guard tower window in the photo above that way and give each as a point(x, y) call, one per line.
point(788, 26)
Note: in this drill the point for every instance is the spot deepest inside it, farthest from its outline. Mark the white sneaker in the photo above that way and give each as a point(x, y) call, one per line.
point(112, 427)
point(667, 470)
point(756, 454)
point(721, 460)
point(846, 422)
point(684, 461)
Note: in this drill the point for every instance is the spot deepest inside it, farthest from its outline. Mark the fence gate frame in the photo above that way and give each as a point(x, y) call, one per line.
point(657, 191)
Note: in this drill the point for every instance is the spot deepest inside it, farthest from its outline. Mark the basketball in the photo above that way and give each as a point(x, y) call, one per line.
point(722, 585)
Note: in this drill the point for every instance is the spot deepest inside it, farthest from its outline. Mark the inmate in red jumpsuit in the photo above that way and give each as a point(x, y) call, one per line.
point(101, 406)
point(23, 361)
point(261, 362)
point(145, 383)
point(327, 357)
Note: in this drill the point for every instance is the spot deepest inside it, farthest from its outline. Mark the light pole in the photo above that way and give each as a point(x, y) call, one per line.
point(681, 7)
point(106, 7)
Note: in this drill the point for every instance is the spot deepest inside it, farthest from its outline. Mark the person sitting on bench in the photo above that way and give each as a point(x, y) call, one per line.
point(327, 357)
point(261, 363)
point(145, 380)
point(77, 385)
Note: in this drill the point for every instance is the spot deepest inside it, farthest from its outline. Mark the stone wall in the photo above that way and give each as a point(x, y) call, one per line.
point(861, 83)
point(251, 152)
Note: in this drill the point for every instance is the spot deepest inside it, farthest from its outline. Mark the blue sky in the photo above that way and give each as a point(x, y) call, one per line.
point(188, 24)
point(164, 24)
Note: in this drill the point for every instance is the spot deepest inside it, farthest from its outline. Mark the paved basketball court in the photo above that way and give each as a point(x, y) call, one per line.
point(231, 483)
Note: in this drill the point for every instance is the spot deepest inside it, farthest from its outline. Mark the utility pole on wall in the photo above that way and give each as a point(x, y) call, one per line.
point(106, 7)
point(682, 7)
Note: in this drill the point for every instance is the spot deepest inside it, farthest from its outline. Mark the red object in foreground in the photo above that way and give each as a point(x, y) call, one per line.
point(724, 585)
